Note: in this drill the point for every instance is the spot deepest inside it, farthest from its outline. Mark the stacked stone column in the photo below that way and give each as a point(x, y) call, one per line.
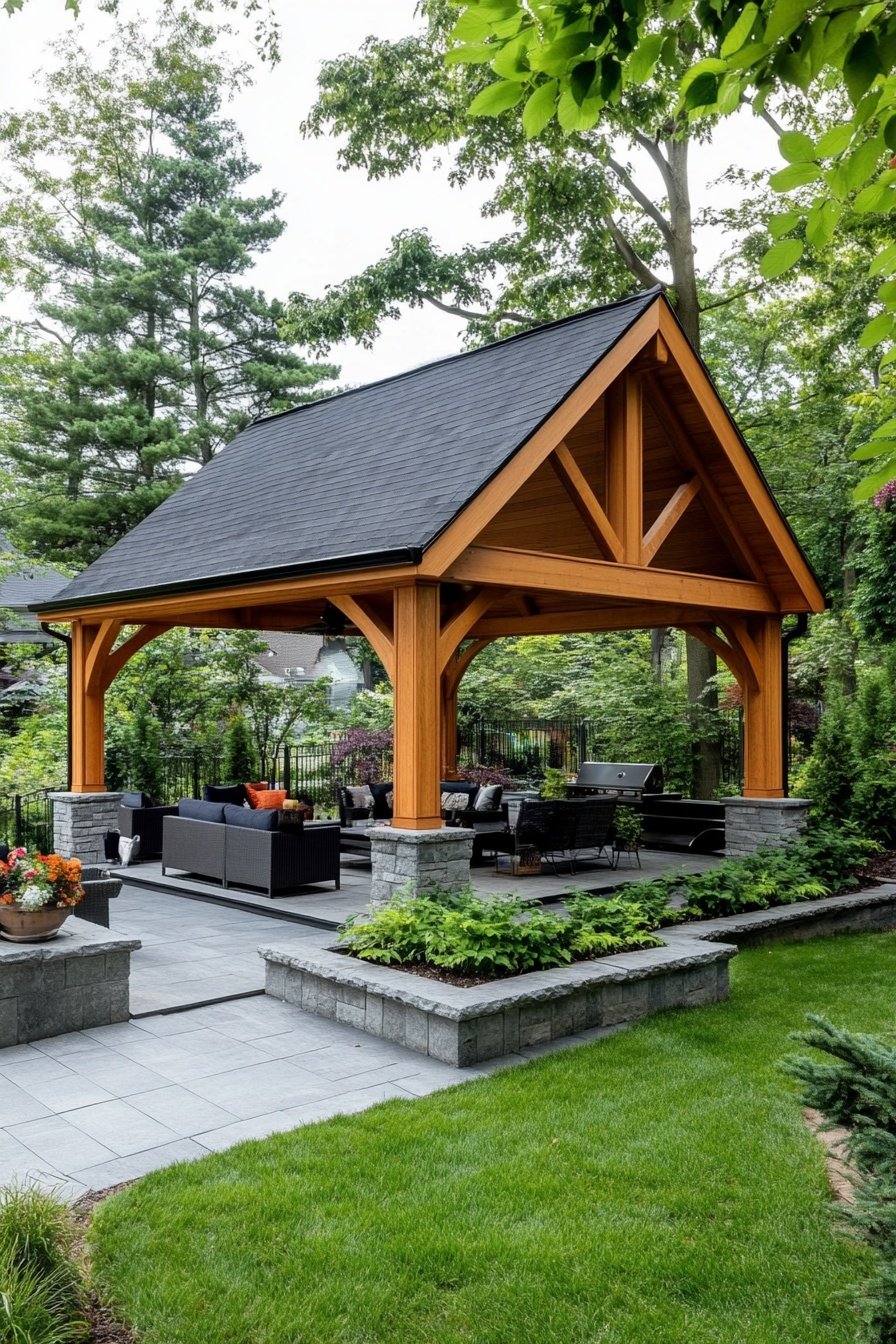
point(754, 823)
point(80, 820)
point(423, 858)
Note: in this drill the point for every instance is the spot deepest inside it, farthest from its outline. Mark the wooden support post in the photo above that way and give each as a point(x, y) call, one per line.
point(449, 727)
point(417, 708)
point(87, 713)
point(763, 709)
point(625, 465)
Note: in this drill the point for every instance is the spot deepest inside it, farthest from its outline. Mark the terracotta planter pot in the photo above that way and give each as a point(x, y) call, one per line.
point(32, 926)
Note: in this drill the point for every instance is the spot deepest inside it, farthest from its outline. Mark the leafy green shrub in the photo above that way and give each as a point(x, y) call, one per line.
point(554, 783)
point(859, 1093)
point(818, 864)
point(240, 762)
point(489, 935)
point(42, 1295)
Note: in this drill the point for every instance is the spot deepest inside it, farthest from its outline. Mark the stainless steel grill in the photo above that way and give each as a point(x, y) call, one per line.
point(631, 780)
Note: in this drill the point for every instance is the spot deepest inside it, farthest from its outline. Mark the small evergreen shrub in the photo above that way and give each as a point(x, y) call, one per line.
point(858, 1092)
point(42, 1292)
point(239, 753)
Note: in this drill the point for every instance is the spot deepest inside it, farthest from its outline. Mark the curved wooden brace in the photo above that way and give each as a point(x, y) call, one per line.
point(372, 627)
point(95, 663)
point(459, 626)
point(737, 632)
point(452, 675)
point(133, 644)
point(732, 656)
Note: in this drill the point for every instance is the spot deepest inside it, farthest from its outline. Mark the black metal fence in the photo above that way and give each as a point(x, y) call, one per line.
point(27, 819)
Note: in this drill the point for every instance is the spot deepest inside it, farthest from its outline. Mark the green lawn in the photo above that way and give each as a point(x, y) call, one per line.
point(656, 1187)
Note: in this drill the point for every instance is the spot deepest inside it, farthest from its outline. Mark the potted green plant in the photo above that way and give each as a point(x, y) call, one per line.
point(628, 828)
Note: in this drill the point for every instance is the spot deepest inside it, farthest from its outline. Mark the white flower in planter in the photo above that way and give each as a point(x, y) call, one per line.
point(32, 897)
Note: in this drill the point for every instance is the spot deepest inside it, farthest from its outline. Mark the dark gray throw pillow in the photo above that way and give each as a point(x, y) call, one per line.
point(251, 819)
point(133, 799)
point(225, 793)
point(198, 810)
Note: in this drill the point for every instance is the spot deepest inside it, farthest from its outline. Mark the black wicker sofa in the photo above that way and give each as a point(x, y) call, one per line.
point(241, 846)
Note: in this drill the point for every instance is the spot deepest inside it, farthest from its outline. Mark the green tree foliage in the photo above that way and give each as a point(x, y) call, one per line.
point(148, 351)
point(143, 753)
point(570, 62)
point(240, 764)
point(875, 598)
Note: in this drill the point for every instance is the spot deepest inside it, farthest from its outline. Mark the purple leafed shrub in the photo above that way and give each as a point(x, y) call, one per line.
point(363, 749)
point(886, 496)
point(484, 774)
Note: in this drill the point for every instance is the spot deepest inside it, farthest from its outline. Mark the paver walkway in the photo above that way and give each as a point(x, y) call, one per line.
point(92, 1108)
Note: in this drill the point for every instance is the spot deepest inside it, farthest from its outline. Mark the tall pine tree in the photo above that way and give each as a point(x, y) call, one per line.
point(126, 217)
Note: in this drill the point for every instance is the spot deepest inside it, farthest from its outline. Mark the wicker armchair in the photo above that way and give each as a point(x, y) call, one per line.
point(99, 888)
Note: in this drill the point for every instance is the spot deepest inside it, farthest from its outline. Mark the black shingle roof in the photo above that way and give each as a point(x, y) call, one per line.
point(366, 477)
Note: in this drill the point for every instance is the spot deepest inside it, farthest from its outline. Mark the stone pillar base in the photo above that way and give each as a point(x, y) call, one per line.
point(422, 858)
point(751, 823)
point(80, 820)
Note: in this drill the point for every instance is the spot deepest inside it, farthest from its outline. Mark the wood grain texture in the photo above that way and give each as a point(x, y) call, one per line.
point(87, 713)
point(673, 512)
point(763, 745)
point(586, 502)
point(417, 802)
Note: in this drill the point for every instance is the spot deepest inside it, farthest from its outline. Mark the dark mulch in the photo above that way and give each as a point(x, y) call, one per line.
point(881, 868)
point(104, 1328)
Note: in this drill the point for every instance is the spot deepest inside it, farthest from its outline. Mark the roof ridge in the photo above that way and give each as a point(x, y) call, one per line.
point(644, 294)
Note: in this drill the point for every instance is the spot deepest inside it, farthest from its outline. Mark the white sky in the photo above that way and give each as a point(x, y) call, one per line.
point(337, 222)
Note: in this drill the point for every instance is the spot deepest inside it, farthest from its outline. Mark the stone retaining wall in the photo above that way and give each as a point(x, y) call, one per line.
point(78, 979)
point(465, 1026)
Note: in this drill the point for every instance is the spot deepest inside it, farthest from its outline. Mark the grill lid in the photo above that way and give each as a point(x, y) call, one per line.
point(633, 776)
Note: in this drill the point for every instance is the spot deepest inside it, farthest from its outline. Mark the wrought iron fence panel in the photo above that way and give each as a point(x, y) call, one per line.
point(27, 819)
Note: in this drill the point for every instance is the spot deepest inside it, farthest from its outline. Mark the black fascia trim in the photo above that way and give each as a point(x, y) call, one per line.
point(403, 555)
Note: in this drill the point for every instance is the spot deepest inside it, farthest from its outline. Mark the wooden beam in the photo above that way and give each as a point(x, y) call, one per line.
point(417, 684)
point(440, 556)
point(586, 502)
point(749, 475)
point(372, 627)
point(712, 500)
point(96, 656)
point(179, 607)
point(538, 571)
point(525, 605)
point(456, 629)
point(736, 631)
point(463, 658)
point(671, 514)
point(133, 644)
point(589, 620)
point(624, 457)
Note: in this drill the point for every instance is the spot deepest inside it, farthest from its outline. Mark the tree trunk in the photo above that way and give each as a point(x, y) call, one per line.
point(702, 663)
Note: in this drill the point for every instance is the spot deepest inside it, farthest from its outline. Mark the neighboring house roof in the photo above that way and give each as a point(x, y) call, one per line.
point(288, 651)
point(30, 585)
point(366, 477)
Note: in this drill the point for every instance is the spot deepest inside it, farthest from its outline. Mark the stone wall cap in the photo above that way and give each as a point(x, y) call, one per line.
point(458, 1005)
point(780, 803)
point(751, 920)
point(84, 797)
point(76, 938)
point(452, 834)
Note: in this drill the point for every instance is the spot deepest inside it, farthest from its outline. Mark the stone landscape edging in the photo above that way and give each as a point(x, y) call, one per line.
point(466, 1026)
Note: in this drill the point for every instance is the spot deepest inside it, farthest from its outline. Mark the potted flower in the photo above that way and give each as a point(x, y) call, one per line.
point(37, 893)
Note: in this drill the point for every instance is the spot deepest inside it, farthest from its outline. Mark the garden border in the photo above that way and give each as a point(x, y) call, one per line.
point(463, 1027)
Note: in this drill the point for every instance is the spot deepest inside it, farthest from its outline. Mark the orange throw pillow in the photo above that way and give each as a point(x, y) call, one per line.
point(265, 798)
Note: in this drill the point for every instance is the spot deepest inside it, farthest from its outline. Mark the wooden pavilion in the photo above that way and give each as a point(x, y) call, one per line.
point(582, 476)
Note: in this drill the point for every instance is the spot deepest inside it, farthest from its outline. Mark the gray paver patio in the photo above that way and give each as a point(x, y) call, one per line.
point(109, 1104)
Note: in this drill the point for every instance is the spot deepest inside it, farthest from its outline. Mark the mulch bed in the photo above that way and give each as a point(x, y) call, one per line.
point(104, 1328)
point(880, 868)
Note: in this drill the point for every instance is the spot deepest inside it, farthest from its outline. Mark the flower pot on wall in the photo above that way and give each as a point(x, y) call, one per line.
point(32, 926)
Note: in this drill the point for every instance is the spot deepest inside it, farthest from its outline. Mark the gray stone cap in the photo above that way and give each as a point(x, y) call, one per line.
point(84, 797)
point(456, 834)
point(459, 1004)
point(781, 914)
point(782, 804)
point(76, 938)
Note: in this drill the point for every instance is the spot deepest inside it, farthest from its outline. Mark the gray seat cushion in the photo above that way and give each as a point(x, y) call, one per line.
point(200, 811)
point(252, 819)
